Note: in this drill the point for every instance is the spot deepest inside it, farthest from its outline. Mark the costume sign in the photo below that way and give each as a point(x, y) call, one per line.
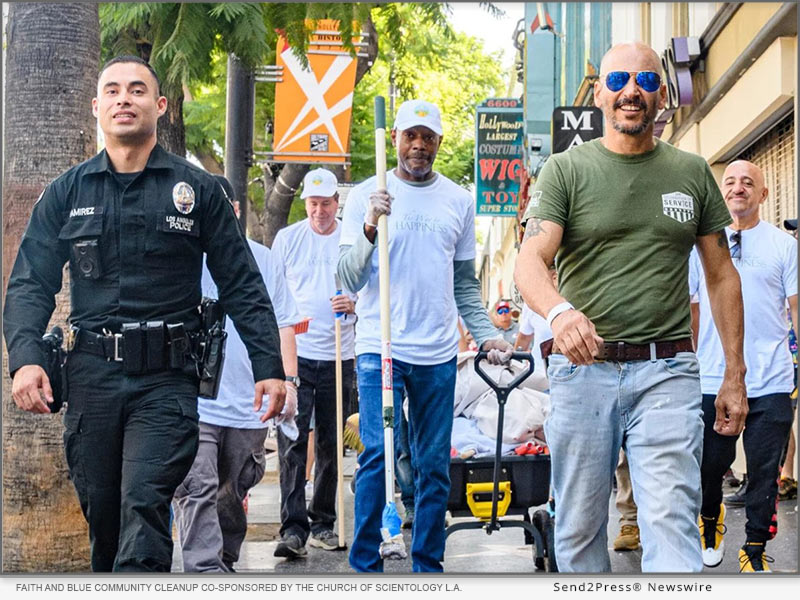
point(499, 135)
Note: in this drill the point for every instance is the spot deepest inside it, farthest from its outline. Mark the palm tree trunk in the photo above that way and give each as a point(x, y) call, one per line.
point(52, 63)
point(171, 133)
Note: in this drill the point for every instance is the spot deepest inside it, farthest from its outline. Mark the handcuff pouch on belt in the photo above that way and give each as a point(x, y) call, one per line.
point(152, 346)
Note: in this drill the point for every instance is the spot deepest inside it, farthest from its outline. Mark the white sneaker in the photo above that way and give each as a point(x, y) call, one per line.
point(711, 538)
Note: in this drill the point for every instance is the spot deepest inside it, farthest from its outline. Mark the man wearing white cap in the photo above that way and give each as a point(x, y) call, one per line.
point(308, 251)
point(431, 223)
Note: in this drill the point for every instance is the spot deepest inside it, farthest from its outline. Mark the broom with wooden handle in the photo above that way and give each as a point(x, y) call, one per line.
point(392, 547)
point(339, 422)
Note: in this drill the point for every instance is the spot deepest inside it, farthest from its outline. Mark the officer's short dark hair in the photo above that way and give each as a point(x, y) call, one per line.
point(130, 58)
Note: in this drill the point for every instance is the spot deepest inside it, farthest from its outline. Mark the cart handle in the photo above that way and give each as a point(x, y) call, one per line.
point(504, 390)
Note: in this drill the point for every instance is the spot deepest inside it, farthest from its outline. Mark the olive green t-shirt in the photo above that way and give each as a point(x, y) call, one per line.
point(630, 222)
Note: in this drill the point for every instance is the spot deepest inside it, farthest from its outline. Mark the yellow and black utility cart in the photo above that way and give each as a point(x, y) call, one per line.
point(491, 489)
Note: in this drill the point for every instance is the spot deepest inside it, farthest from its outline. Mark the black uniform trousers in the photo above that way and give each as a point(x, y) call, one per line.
point(317, 395)
point(766, 430)
point(130, 440)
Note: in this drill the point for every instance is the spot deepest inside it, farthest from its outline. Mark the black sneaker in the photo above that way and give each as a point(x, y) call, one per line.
point(408, 518)
point(736, 499)
point(325, 539)
point(290, 546)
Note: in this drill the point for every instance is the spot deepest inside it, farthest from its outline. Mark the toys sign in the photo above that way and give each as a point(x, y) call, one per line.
point(499, 133)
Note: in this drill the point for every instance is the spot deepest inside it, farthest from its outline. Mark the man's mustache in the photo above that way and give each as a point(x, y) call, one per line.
point(637, 102)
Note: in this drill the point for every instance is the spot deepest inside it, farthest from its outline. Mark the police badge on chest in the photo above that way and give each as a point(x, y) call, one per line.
point(183, 199)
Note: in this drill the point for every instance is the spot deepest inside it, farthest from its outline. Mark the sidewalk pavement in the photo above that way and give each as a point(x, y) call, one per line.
point(467, 551)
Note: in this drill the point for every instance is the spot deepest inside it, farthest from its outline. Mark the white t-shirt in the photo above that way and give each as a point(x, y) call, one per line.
point(234, 404)
point(768, 271)
point(308, 261)
point(429, 228)
point(530, 323)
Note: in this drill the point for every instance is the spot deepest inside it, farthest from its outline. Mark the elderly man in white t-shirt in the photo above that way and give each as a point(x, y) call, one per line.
point(431, 225)
point(209, 514)
point(766, 259)
point(307, 252)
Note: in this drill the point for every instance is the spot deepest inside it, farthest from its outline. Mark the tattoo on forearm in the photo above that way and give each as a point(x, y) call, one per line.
point(533, 226)
point(722, 239)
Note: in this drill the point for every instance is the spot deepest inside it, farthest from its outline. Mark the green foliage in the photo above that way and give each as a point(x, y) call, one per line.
point(204, 118)
point(446, 68)
point(188, 44)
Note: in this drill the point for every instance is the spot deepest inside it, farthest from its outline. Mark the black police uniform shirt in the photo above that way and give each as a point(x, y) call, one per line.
point(150, 232)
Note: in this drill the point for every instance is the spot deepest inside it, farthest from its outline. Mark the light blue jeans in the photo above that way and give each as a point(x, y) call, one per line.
point(651, 408)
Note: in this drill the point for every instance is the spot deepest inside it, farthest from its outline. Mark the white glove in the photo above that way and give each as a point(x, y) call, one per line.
point(290, 406)
point(380, 203)
point(285, 420)
point(499, 351)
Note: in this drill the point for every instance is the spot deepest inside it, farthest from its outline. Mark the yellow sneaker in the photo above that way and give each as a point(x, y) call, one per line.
point(628, 538)
point(752, 558)
point(711, 538)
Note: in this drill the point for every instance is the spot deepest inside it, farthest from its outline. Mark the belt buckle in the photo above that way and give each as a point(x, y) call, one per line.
point(117, 338)
point(621, 355)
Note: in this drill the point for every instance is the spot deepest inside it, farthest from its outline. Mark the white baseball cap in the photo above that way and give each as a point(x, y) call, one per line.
point(418, 112)
point(319, 182)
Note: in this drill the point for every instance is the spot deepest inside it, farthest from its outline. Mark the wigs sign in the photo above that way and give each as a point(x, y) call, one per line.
point(499, 168)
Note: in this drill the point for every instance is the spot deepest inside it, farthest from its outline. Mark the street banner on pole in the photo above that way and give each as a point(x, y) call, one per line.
point(499, 135)
point(313, 105)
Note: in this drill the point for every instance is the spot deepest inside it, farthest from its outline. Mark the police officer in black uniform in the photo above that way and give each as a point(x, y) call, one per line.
point(133, 222)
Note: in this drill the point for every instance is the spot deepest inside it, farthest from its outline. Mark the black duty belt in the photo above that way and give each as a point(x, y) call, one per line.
point(145, 348)
point(622, 352)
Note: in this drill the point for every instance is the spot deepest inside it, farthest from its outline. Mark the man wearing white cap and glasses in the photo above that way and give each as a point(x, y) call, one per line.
point(431, 223)
point(308, 251)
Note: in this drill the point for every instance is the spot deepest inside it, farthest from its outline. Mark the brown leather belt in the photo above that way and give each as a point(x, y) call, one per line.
point(622, 352)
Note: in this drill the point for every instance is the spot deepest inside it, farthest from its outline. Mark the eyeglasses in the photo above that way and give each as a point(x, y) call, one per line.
point(736, 249)
point(502, 311)
point(649, 81)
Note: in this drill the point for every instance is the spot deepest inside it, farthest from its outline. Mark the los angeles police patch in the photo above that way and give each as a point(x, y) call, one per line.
point(183, 197)
point(678, 206)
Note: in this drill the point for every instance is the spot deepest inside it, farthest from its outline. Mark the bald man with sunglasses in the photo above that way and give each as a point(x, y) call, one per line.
point(620, 215)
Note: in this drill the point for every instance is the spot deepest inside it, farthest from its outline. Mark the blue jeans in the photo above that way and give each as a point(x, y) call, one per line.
point(653, 410)
point(430, 391)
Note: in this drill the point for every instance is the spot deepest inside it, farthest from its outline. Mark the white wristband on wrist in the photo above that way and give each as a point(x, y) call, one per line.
point(557, 310)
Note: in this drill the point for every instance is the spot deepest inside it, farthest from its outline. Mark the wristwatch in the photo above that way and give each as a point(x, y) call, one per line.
point(293, 379)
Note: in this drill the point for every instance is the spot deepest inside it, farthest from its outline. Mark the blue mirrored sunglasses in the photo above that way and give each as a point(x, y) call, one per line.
point(502, 311)
point(649, 81)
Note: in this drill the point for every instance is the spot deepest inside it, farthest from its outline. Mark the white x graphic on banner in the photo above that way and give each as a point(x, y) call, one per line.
point(315, 98)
